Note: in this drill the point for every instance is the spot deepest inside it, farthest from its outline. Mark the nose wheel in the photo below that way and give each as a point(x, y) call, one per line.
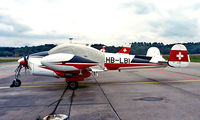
point(73, 85)
point(16, 83)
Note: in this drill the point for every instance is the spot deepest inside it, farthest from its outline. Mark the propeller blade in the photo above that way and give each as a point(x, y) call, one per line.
point(25, 60)
point(27, 57)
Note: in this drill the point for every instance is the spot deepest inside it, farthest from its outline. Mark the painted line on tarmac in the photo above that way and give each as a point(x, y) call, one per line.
point(10, 74)
point(6, 75)
point(112, 83)
point(172, 74)
point(132, 83)
point(35, 86)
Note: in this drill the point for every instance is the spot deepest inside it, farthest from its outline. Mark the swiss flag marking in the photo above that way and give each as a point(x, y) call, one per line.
point(178, 55)
point(125, 50)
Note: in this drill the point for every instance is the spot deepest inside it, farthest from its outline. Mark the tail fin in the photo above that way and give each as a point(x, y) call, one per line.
point(125, 50)
point(178, 56)
point(103, 49)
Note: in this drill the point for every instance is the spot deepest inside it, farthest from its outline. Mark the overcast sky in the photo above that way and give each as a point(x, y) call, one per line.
point(111, 22)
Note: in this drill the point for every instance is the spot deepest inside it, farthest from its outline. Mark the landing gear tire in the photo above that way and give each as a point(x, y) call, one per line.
point(16, 83)
point(73, 85)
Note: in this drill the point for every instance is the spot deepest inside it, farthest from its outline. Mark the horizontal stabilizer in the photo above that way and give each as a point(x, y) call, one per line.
point(154, 52)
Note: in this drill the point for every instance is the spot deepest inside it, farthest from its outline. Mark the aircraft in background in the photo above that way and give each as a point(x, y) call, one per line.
point(103, 49)
point(76, 62)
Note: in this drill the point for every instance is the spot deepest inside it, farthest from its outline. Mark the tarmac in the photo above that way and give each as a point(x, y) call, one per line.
point(143, 94)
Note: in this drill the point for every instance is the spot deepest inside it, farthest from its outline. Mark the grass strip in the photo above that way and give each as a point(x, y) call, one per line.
point(8, 59)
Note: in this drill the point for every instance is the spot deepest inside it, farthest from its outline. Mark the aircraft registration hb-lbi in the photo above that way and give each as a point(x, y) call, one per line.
point(76, 62)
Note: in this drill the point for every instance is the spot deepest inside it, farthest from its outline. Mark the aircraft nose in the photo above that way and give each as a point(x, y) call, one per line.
point(22, 62)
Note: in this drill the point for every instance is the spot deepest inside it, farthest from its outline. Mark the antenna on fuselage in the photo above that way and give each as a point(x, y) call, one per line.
point(70, 39)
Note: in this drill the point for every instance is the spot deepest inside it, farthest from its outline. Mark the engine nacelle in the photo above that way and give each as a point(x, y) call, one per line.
point(36, 70)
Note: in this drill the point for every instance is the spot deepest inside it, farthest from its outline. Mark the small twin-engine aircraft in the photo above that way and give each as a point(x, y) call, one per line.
point(76, 62)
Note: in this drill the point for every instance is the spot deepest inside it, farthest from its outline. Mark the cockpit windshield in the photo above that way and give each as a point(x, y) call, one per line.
point(40, 54)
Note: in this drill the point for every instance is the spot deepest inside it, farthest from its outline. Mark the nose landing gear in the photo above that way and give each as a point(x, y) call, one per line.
point(16, 82)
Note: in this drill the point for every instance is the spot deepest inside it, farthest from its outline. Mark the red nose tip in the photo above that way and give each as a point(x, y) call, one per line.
point(24, 63)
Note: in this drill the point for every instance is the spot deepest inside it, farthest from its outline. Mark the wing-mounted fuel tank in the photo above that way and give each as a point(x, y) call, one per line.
point(66, 62)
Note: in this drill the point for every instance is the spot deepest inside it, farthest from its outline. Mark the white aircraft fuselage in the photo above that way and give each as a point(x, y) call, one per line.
point(76, 62)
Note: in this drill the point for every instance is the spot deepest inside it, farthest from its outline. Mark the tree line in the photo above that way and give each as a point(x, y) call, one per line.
point(140, 48)
point(137, 48)
point(21, 51)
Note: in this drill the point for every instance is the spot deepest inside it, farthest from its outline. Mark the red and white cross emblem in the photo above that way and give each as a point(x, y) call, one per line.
point(124, 50)
point(179, 56)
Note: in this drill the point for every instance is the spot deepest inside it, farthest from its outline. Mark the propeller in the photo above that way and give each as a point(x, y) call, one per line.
point(26, 63)
point(25, 59)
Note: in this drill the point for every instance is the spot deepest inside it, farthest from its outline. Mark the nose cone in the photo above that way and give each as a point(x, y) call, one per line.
point(22, 62)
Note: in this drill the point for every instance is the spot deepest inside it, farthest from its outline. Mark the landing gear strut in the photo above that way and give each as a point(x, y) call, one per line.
point(73, 85)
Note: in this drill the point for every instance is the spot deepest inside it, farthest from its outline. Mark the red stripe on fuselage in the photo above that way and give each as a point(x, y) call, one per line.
point(75, 77)
point(115, 66)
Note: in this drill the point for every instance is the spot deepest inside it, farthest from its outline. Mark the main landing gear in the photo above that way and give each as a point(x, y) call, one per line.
point(73, 85)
